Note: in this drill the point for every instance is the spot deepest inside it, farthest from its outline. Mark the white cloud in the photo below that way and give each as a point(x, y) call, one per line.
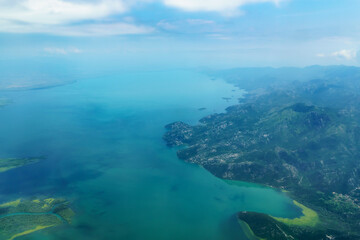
point(227, 7)
point(62, 17)
point(62, 51)
point(58, 11)
point(106, 29)
point(219, 36)
point(321, 55)
point(166, 25)
point(199, 21)
point(187, 24)
point(72, 17)
point(345, 54)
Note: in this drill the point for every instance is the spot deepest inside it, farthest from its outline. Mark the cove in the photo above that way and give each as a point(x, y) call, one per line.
point(102, 142)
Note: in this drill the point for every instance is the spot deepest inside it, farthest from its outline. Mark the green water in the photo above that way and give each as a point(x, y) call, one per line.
point(102, 139)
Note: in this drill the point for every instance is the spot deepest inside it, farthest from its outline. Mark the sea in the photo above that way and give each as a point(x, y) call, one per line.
point(99, 131)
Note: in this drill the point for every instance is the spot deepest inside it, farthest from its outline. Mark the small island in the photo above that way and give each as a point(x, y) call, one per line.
point(25, 216)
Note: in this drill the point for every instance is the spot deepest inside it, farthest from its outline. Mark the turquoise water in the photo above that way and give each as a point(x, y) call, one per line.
point(102, 139)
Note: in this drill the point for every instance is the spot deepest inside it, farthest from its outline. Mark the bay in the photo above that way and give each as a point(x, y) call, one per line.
point(101, 137)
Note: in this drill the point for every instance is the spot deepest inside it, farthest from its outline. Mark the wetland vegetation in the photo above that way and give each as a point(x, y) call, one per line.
point(7, 164)
point(25, 216)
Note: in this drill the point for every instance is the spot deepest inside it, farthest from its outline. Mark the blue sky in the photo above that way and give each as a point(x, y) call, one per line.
point(193, 33)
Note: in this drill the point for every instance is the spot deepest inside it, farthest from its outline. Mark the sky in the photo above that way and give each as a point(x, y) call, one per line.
point(189, 33)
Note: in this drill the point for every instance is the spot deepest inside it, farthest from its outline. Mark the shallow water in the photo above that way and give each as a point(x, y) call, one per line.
point(102, 139)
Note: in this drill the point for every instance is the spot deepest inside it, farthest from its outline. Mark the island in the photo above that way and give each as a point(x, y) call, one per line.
point(299, 132)
point(25, 216)
point(7, 164)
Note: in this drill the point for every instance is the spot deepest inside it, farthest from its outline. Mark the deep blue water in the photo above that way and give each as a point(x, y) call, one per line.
point(102, 142)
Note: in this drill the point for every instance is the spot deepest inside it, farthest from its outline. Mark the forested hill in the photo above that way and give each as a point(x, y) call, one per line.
point(297, 130)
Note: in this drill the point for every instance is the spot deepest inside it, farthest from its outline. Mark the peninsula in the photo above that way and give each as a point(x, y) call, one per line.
point(297, 130)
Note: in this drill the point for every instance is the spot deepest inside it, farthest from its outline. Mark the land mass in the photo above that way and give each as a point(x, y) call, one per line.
point(25, 216)
point(296, 130)
point(22, 217)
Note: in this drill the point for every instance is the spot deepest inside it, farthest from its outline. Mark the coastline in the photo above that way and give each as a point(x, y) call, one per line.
point(279, 139)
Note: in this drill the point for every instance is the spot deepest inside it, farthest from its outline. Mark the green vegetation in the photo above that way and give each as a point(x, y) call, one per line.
point(297, 130)
point(243, 184)
point(7, 164)
point(10, 204)
point(262, 226)
point(23, 217)
point(248, 231)
point(310, 218)
point(37, 228)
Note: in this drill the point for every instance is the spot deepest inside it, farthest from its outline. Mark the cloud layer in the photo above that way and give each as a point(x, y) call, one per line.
point(58, 11)
point(61, 51)
point(72, 17)
point(227, 7)
point(344, 54)
point(63, 17)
